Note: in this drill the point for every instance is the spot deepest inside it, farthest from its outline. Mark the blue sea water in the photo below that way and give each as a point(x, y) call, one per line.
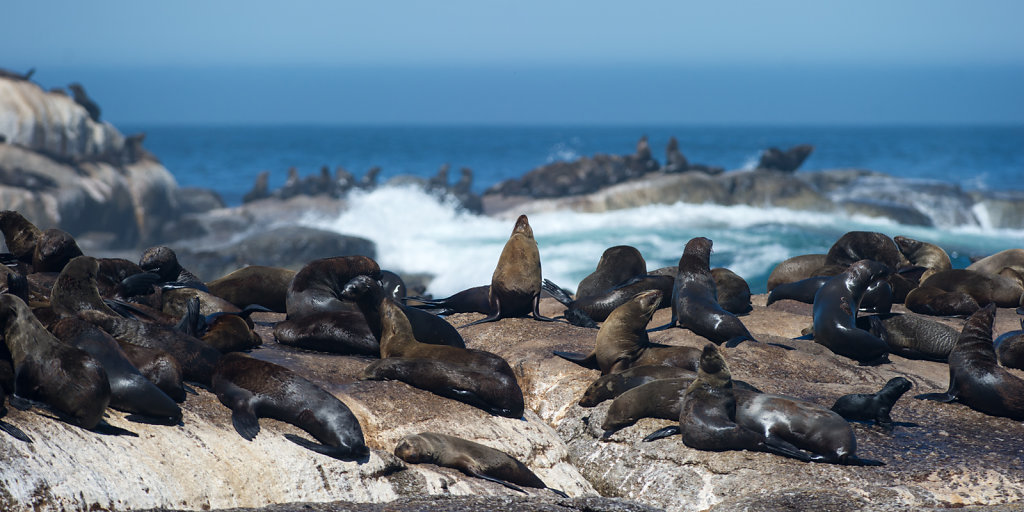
point(460, 249)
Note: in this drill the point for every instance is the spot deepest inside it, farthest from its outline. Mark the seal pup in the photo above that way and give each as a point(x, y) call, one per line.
point(162, 260)
point(1010, 348)
point(130, 391)
point(255, 284)
point(854, 246)
point(53, 250)
point(252, 389)
point(835, 314)
point(497, 393)
point(975, 378)
point(695, 299)
point(587, 311)
point(63, 377)
point(623, 341)
point(873, 406)
point(923, 254)
point(783, 425)
point(617, 265)
point(473, 459)
point(516, 282)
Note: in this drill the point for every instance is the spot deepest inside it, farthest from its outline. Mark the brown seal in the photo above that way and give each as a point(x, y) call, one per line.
point(1012, 258)
point(607, 387)
point(76, 288)
point(733, 291)
point(984, 287)
point(695, 300)
point(795, 269)
point(717, 417)
point(1010, 348)
point(929, 300)
point(617, 265)
point(473, 459)
point(160, 367)
point(623, 341)
point(164, 262)
point(975, 378)
point(854, 246)
point(516, 282)
point(587, 311)
point(54, 249)
point(877, 296)
point(911, 335)
point(252, 388)
point(923, 254)
point(255, 284)
point(835, 314)
point(20, 235)
point(49, 371)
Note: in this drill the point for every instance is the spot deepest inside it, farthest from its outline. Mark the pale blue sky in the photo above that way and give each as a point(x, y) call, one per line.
point(934, 61)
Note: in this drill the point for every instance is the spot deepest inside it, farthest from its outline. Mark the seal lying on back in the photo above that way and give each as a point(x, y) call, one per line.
point(59, 375)
point(473, 459)
point(587, 311)
point(854, 246)
point(623, 341)
point(975, 378)
point(252, 388)
point(695, 300)
point(717, 417)
point(617, 265)
point(835, 314)
point(873, 406)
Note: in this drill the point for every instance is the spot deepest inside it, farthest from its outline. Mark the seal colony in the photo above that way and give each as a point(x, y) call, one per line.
point(347, 290)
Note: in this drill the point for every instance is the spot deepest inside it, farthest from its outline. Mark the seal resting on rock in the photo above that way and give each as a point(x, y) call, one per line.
point(975, 378)
point(873, 406)
point(1010, 348)
point(617, 265)
point(587, 311)
point(164, 262)
point(473, 459)
point(835, 314)
point(252, 388)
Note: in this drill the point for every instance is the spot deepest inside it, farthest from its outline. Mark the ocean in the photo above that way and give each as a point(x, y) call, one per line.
point(416, 232)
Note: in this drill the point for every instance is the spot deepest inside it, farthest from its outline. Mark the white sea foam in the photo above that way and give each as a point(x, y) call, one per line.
point(415, 232)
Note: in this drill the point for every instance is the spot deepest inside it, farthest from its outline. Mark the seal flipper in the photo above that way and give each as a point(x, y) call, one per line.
point(536, 311)
point(138, 284)
point(945, 398)
point(510, 485)
point(588, 361)
point(15, 432)
point(243, 415)
point(558, 492)
point(335, 452)
point(580, 319)
point(662, 433)
point(557, 292)
point(107, 429)
point(493, 317)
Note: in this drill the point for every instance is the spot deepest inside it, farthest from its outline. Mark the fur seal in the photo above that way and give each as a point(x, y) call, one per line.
point(6, 388)
point(252, 388)
point(877, 296)
point(255, 284)
point(1010, 348)
point(59, 375)
point(911, 335)
point(717, 417)
point(975, 378)
point(984, 287)
point(473, 459)
point(617, 265)
point(76, 288)
point(610, 386)
point(393, 284)
point(162, 260)
point(196, 358)
point(622, 341)
point(470, 300)
point(1012, 258)
point(929, 300)
point(54, 249)
point(20, 235)
point(835, 314)
point(85, 101)
point(923, 254)
point(369, 293)
point(130, 391)
point(587, 311)
point(795, 269)
point(733, 291)
point(695, 300)
point(516, 282)
point(497, 393)
point(160, 367)
point(873, 406)
point(854, 246)
point(226, 332)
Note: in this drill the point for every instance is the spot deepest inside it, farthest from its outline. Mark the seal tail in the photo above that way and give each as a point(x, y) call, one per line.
point(662, 433)
point(15, 432)
point(560, 294)
point(587, 361)
point(192, 322)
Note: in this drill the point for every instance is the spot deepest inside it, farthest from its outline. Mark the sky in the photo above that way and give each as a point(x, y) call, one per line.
point(529, 62)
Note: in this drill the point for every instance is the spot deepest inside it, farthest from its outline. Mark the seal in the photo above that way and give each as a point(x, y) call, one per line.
point(20, 235)
point(873, 406)
point(498, 393)
point(252, 389)
point(470, 300)
point(160, 367)
point(717, 417)
point(196, 358)
point(163, 261)
point(1010, 348)
point(6, 387)
point(923, 254)
point(835, 314)
point(255, 284)
point(795, 269)
point(983, 287)
point(623, 342)
point(610, 386)
point(130, 391)
point(695, 301)
point(516, 282)
point(617, 265)
point(587, 311)
point(877, 296)
point(369, 293)
point(225, 331)
point(911, 335)
point(929, 300)
point(393, 284)
point(733, 291)
point(65, 378)
point(1012, 258)
point(854, 246)
point(53, 250)
point(975, 378)
point(111, 274)
point(76, 288)
point(473, 459)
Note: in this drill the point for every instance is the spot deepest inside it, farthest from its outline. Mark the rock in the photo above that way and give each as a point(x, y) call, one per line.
point(906, 215)
point(999, 210)
point(198, 200)
point(774, 159)
point(773, 188)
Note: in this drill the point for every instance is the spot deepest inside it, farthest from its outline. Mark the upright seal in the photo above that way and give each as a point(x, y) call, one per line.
point(835, 314)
